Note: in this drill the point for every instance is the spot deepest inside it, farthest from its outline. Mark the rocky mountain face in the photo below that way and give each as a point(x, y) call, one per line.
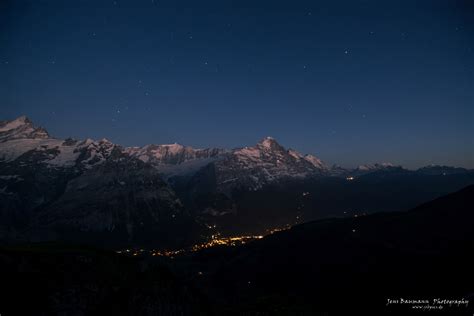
point(214, 192)
point(249, 166)
point(121, 201)
point(264, 163)
point(173, 154)
point(175, 159)
point(20, 128)
point(82, 190)
point(85, 189)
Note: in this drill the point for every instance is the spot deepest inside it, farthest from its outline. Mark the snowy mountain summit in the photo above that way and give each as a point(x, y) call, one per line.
point(21, 140)
point(252, 166)
point(266, 162)
point(21, 128)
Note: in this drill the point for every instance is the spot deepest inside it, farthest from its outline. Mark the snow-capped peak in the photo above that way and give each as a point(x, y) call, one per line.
point(175, 148)
point(19, 128)
point(14, 124)
point(105, 141)
point(268, 142)
point(315, 161)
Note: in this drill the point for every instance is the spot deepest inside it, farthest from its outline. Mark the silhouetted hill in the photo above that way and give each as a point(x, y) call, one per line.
point(353, 264)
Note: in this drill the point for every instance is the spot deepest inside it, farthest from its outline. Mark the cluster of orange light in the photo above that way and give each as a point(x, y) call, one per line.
point(167, 253)
point(279, 229)
point(225, 241)
point(216, 240)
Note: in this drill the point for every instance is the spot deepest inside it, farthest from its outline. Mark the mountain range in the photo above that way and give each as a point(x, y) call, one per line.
point(97, 191)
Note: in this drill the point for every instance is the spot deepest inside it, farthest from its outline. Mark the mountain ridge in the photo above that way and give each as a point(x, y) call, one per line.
point(167, 155)
point(65, 186)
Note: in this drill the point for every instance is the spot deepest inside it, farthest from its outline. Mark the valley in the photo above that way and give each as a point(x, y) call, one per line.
point(257, 230)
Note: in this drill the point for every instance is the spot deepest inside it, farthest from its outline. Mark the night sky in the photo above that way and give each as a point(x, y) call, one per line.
point(350, 81)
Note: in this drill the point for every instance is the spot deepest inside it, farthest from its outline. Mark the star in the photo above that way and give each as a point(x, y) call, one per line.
point(346, 52)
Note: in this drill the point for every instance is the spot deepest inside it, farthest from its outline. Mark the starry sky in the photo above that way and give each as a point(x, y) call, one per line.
point(352, 82)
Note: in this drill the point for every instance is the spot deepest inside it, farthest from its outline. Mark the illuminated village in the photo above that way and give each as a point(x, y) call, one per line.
point(215, 241)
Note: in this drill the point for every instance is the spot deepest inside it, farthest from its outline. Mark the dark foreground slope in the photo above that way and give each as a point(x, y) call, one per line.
point(347, 266)
point(353, 265)
point(52, 279)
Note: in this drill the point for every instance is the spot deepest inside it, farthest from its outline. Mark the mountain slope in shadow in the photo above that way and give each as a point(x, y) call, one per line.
point(353, 264)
